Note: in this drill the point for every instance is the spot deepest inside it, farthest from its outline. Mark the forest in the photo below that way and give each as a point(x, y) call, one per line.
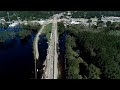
point(92, 14)
point(94, 53)
point(33, 15)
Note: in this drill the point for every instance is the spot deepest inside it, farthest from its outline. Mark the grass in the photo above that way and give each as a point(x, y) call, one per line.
point(47, 30)
point(34, 49)
point(34, 52)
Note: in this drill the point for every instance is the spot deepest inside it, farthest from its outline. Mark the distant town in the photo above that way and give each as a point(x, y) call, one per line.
point(65, 17)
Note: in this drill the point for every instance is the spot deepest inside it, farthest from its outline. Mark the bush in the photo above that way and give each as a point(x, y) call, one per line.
point(94, 72)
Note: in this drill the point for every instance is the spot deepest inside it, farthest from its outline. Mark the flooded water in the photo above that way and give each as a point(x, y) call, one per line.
point(16, 58)
point(16, 28)
point(42, 47)
point(61, 57)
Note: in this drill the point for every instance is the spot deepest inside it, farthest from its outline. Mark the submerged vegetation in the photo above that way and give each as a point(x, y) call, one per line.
point(31, 26)
point(34, 52)
point(24, 33)
point(61, 28)
point(46, 30)
point(4, 26)
point(4, 35)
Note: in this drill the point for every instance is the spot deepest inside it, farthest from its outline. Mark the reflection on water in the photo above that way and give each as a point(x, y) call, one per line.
point(16, 28)
point(25, 40)
point(61, 56)
point(42, 45)
point(16, 59)
point(8, 44)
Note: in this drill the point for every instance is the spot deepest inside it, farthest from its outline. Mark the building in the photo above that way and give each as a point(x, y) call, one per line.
point(41, 22)
point(111, 18)
point(75, 22)
point(2, 20)
point(13, 24)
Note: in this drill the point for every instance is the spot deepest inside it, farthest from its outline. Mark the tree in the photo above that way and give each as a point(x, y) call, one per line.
point(94, 72)
point(108, 23)
point(94, 26)
point(5, 25)
point(61, 27)
point(100, 23)
point(115, 26)
point(31, 26)
point(89, 21)
point(99, 19)
point(112, 70)
point(24, 33)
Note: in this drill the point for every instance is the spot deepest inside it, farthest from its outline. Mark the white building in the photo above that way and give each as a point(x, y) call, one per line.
point(69, 13)
point(13, 24)
point(41, 22)
point(75, 22)
point(111, 18)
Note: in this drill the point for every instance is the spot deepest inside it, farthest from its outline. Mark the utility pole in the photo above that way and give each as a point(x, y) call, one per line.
point(35, 70)
point(8, 16)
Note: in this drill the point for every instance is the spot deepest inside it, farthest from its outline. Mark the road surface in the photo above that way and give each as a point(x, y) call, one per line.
point(55, 48)
point(51, 68)
point(36, 43)
point(37, 39)
point(36, 53)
